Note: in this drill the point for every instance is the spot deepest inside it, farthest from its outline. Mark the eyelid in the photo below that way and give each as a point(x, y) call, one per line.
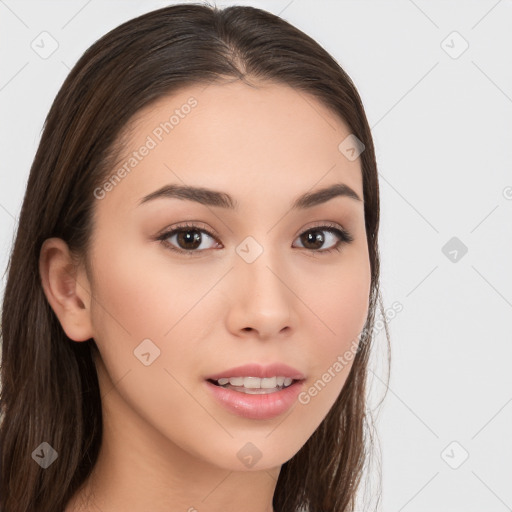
point(188, 224)
point(324, 224)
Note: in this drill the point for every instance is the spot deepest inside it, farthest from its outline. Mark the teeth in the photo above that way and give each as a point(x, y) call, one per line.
point(269, 382)
point(256, 382)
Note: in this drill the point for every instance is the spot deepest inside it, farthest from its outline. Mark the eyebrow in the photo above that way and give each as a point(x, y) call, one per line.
point(209, 197)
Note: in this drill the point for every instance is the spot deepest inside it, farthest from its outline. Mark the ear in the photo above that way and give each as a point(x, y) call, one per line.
point(67, 289)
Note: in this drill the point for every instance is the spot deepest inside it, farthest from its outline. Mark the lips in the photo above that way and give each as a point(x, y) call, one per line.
point(261, 403)
point(258, 370)
point(255, 406)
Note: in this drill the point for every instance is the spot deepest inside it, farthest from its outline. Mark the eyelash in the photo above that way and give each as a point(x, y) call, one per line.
point(344, 236)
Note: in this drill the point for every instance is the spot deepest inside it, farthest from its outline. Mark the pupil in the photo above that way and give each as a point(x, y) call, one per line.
point(185, 238)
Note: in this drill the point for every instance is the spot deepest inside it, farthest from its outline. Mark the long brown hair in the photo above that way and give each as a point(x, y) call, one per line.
point(49, 385)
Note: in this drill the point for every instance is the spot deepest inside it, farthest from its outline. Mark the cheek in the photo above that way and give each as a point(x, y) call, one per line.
point(347, 304)
point(341, 301)
point(142, 295)
point(341, 305)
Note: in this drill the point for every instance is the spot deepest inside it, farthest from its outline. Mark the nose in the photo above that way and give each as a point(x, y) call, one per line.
point(262, 302)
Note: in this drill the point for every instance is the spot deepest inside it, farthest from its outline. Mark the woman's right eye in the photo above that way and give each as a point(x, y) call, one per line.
point(189, 239)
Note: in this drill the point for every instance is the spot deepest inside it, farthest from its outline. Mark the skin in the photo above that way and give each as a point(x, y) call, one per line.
point(166, 444)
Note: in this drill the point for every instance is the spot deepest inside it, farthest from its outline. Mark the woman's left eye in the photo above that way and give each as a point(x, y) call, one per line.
point(189, 239)
point(314, 236)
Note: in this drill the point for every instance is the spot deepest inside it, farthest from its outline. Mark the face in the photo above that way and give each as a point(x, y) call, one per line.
point(187, 286)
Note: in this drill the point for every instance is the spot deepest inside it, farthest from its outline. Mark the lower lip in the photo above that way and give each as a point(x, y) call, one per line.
point(256, 407)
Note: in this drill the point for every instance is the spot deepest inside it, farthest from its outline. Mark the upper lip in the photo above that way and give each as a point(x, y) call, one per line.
point(259, 370)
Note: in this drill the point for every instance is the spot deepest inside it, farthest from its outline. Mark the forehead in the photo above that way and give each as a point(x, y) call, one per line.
point(235, 138)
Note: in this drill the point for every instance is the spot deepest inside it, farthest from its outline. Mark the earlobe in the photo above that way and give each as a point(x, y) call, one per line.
point(66, 290)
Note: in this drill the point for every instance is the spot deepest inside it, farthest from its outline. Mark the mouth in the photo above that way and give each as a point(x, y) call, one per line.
point(255, 385)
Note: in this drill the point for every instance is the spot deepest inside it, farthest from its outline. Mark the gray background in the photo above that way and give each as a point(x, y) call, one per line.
point(440, 118)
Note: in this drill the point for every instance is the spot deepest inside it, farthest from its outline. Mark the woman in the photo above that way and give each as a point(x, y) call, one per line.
point(191, 294)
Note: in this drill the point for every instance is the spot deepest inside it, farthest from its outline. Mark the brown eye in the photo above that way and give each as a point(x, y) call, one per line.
point(315, 238)
point(188, 239)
